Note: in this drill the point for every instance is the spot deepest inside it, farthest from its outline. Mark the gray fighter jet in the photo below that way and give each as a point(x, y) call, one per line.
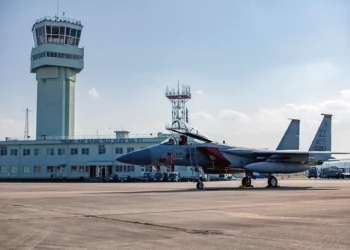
point(220, 158)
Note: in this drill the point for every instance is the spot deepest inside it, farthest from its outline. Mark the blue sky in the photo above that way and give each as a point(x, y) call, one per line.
point(250, 65)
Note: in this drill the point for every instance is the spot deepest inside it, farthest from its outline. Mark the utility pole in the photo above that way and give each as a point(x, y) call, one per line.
point(26, 126)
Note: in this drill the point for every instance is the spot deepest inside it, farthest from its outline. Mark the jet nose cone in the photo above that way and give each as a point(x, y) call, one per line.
point(140, 157)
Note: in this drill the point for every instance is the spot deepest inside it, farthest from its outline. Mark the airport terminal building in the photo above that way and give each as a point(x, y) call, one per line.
point(74, 159)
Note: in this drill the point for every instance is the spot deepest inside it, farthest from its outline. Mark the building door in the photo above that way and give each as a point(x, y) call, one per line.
point(109, 170)
point(103, 168)
point(92, 171)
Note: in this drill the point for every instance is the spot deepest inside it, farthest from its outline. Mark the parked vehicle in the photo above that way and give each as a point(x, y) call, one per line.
point(147, 177)
point(111, 178)
point(313, 173)
point(174, 176)
point(160, 176)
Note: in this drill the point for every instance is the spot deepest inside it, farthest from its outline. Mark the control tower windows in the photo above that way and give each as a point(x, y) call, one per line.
point(40, 35)
point(55, 54)
point(59, 34)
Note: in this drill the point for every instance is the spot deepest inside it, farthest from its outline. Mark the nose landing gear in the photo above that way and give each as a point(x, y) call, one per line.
point(200, 185)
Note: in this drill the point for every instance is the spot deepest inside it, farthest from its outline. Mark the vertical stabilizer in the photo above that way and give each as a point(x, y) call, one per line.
point(291, 138)
point(323, 138)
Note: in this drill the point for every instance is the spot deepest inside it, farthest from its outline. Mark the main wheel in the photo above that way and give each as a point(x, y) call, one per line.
point(246, 181)
point(200, 185)
point(272, 182)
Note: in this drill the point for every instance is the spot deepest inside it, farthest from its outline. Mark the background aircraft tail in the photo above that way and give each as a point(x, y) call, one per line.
point(291, 137)
point(323, 139)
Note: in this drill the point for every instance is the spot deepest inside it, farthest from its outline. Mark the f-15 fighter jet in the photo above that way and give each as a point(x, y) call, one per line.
point(220, 158)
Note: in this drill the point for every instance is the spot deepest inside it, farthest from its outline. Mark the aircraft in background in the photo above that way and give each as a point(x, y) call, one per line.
point(220, 158)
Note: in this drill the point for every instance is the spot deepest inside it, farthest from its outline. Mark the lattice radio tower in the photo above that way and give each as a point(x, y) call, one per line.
point(178, 102)
point(26, 126)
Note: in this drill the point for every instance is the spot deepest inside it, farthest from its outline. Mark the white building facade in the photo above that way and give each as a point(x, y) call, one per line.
point(72, 159)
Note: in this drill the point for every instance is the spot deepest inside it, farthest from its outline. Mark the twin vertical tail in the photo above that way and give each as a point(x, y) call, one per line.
point(291, 138)
point(323, 139)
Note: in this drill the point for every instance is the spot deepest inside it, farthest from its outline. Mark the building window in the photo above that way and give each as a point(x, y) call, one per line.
point(101, 149)
point(56, 55)
point(79, 169)
point(85, 151)
point(14, 152)
point(61, 168)
point(40, 35)
point(131, 169)
point(128, 150)
point(3, 150)
point(119, 151)
point(49, 169)
point(61, 151)
point(26, 169)
point(37, 169)
point(36, 151)
point(148, 168)
point(26, 152)
point(50, 151)
point(3, 169)
point(73, 151)
point(14, 169)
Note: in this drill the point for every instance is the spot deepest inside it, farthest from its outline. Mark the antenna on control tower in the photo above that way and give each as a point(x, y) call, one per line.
point(178, 100)
point(58, 8)
point(26, 126)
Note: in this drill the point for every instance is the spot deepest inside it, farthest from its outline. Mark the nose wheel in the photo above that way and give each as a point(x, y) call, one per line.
point(200, 185)
point(272, 182)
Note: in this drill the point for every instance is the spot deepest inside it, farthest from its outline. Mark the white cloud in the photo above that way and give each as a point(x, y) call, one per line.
point(200, 92)
point(274, 121)
point(266, 126)
point(232, 115)
point(345, 93)
point(93, 92)
point(10, 128)
point(201, 115)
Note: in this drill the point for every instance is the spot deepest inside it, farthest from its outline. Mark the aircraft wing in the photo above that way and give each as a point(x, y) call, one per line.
point(281, 154)
point(294, 152)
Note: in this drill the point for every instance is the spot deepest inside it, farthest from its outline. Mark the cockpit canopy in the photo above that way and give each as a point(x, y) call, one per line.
point(169, 141)
point(187, 129)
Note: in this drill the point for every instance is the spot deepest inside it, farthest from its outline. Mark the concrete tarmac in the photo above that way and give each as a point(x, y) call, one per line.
point(301, 214)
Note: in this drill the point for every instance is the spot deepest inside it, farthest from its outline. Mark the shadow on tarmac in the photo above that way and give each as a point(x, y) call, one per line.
point(213, 189)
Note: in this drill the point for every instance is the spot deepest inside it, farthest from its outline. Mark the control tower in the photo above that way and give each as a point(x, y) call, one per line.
point(56, 59)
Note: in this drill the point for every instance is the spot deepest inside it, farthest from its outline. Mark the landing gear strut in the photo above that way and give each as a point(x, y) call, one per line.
point(200, 185)
point(272, 182)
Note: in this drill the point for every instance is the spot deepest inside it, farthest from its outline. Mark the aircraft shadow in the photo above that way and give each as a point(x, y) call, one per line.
point(213, 189)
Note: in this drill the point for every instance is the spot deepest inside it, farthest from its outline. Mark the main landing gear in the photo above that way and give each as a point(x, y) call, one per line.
point(272, 182)
point(247, 182)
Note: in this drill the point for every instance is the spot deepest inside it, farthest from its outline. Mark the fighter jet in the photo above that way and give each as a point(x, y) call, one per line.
point(220, 158)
